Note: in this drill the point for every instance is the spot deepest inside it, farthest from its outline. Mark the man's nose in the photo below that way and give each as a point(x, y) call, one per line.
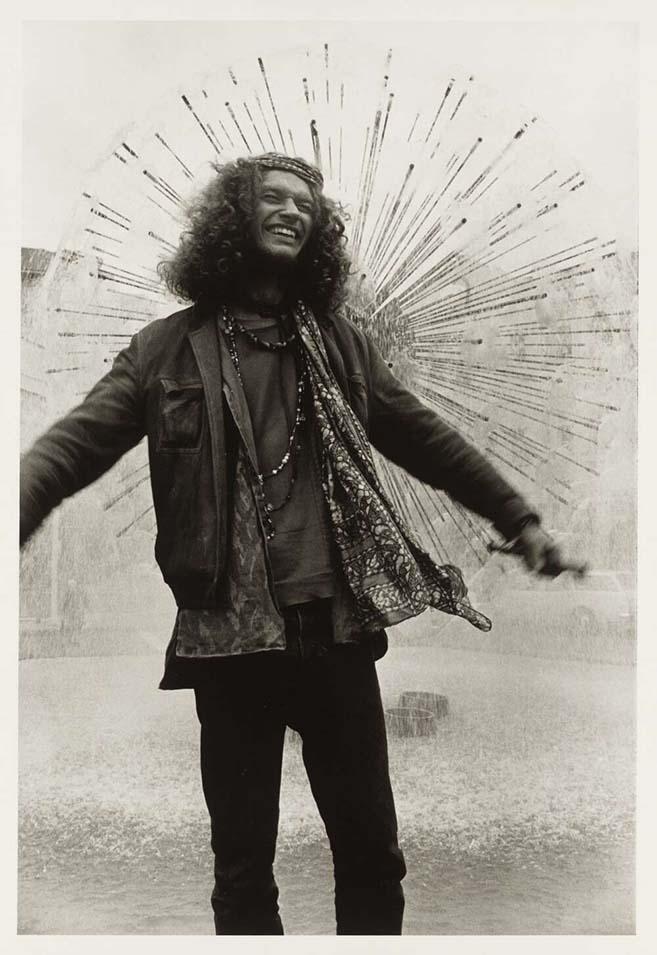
point(290, 206)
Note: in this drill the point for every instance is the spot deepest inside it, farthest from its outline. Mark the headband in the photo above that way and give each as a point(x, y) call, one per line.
point(298, 166)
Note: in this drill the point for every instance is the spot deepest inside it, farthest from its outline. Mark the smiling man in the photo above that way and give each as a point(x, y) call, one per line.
point(283, 216)
point(284, 554)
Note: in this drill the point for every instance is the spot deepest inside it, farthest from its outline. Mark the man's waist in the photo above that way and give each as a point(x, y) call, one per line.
point(309, 628)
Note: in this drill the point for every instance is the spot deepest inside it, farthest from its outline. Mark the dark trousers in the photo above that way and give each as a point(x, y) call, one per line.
point(330, 695)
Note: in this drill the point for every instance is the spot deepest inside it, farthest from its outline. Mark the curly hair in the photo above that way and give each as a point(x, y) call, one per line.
point(215, 255)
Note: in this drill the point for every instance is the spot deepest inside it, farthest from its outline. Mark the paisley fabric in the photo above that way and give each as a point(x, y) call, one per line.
point(247, 621)
point(391, 577)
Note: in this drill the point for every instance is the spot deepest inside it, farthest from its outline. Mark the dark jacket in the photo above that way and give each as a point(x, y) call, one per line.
point(167, 385)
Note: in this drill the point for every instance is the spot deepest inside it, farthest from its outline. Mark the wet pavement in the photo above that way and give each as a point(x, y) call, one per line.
point(517, 817)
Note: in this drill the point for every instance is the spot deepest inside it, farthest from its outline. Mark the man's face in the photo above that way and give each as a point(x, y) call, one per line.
point(283, 218)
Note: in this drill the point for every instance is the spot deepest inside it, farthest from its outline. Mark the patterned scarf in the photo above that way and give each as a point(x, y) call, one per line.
point(390, 576)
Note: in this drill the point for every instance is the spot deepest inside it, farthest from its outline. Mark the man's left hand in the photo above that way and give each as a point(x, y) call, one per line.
point(540, 553)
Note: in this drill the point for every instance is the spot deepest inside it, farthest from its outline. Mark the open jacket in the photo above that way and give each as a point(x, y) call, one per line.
point(167, 385)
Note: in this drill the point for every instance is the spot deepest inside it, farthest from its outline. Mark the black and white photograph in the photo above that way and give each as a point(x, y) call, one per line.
point(327, 603)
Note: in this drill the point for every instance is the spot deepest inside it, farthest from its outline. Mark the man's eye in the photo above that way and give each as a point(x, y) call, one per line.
point(270, 197)
point(304, 207)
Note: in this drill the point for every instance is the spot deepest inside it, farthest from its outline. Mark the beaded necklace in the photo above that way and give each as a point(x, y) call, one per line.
point(261, 342)
point(293, 445)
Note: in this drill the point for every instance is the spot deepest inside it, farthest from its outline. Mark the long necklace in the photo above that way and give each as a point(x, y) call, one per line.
point(289, 455)
point(260, 342)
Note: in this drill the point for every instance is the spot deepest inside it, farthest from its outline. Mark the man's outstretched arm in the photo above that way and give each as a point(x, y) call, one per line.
point(85, 443)
point(411, 435)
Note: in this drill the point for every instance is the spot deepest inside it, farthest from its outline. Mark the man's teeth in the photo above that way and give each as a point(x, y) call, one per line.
point(281, 230)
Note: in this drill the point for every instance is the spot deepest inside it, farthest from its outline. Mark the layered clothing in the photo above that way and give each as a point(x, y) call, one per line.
point(175, 385)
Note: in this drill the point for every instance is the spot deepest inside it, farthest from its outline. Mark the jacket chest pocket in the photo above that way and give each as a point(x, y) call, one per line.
point(180, 417)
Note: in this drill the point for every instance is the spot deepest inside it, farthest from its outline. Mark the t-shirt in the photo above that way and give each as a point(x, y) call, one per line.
point(301, 550)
